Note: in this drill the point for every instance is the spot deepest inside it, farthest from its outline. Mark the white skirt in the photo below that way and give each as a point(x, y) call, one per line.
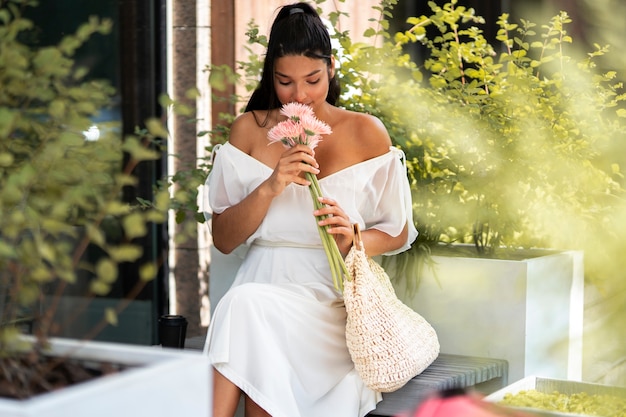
point(279, 335)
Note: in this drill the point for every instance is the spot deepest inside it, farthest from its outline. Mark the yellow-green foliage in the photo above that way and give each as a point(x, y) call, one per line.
point(580, 403)
point(60, 193)
point(506, 143)
point(517, 142)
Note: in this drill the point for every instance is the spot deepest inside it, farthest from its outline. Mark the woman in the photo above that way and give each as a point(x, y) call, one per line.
point(277, 336)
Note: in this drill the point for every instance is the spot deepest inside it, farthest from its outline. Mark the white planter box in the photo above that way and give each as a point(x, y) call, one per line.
point(528, 311)
point(549, 386)
point(165, 382)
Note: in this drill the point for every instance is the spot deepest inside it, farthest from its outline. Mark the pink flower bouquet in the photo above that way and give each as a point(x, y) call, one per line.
point(302, 127)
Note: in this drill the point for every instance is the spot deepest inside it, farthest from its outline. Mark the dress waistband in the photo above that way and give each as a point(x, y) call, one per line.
point(285, 244)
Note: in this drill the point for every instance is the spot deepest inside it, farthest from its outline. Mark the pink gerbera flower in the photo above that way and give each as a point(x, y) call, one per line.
point(301, 127)
point(313, 129)
point(296, 111)
point(287, 132)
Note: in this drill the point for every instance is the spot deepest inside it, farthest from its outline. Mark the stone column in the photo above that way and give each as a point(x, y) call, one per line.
point(187, 276)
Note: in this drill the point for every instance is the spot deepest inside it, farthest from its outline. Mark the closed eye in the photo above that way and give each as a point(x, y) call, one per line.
point(283, 79)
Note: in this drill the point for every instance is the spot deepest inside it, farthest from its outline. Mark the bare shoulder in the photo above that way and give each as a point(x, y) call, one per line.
point(372, 129)
point(245, 131)
point(367, 132)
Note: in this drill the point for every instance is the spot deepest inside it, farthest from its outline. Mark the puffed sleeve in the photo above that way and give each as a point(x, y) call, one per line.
point(390, 203)
point(233, 176)
point(221, 194)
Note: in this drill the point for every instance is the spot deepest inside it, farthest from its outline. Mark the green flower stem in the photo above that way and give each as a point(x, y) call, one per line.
point(338, 267)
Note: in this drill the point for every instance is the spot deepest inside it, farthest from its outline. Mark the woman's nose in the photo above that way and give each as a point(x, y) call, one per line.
point(300, 94)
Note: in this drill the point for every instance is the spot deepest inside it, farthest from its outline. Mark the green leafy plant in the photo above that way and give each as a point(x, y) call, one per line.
point(509, 143)
point(488, 135)
point(61, 193)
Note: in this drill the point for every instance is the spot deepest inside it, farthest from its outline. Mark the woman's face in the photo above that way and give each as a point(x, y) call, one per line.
point(301, 79)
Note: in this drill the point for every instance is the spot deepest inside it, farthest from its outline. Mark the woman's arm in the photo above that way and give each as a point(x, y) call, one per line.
point(234, 225)
point(375, 241)
point(369, 139)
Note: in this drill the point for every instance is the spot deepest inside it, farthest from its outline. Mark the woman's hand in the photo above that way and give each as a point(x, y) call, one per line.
point(291, 166)
point(338, 223)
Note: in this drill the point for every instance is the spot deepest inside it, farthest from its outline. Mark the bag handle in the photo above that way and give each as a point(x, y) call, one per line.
point(357, 240)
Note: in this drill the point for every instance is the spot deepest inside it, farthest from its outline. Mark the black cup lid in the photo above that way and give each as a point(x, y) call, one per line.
point(172, 320)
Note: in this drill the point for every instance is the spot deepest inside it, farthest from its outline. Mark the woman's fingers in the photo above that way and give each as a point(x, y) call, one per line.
point(291, 166)
point(333, 213)
point(337, 222)
point(299, 159)
point(301, 153)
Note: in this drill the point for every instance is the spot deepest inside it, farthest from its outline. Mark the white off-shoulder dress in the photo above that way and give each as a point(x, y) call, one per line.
point(278, 332)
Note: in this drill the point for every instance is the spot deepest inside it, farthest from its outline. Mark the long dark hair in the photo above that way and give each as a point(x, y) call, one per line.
point(297, 30)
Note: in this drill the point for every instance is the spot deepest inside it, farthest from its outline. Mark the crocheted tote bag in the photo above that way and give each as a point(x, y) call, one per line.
point(388, 341)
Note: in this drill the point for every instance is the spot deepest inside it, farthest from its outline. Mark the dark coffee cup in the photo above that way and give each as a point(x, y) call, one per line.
point(172, 331)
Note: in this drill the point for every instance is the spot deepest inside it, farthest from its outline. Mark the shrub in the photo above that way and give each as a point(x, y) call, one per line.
point(513, 144)
point(61, 193)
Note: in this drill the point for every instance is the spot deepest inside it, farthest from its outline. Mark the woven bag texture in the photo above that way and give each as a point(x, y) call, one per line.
point(388, 341)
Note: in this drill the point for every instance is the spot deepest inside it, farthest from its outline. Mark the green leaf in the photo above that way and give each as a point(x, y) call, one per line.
point(6, 159)
point(57, 109)
point(165, 100)
point(615, 168)
point(10, 337)
point(126, 180)
point(125, 253)
point(192, 93)
point(5, 16)
point(106, 270)
point(41, 274)
point(46, 251)
point(71, 139)
point(369, 32)
point(7, 250)
point(96, 235)
point(217, 79)
point(148, 271)
point(138, 151)
point(156, 216)
point(28, 294)
point(134, 226)
point(110, 316)
point(7, 121)
point(156, 128)
point(66, 275)
point(116, 208)
point(99, 288)
point(162, 200)
point(12, 194)
point(180, 216)
point(50, 61)
point(55, 226)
